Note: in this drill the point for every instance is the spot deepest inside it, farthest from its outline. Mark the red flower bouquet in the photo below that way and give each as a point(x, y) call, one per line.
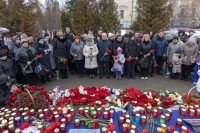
point(63, 60)
point(36, 57)
point(79, 52)
point(32, 97)
point(191, 99)
point(107, 51)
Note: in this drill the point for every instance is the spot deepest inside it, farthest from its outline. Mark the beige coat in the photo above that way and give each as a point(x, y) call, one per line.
point(189, 53)
point(90, 63)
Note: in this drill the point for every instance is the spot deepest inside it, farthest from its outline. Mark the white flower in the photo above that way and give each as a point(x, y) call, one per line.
point(67, 93)
point(108, 99)
point(167, 91)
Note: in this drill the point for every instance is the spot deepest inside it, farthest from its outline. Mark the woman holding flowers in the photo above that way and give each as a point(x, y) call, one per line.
point(90, 52)
point(76, 51)
point(61, 51)
point(145, 53)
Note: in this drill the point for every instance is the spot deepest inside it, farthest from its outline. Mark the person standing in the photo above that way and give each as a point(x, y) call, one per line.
point(24, 56)
point(190, 52)
point(90, 52)
point(61, 49)
point(118, 43)
point(68, 35)
point(18, 32)
point(76, 51)
point(171, 49)
point(105, 50)
point(145, 52)
point(160, 46)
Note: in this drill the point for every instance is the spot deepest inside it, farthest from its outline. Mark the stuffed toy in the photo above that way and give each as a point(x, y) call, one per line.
point(195, 76)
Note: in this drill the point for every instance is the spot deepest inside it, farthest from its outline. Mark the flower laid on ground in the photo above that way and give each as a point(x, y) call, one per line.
point(63, 60)
point(79, 52)
point(107, 51)
point(36, 57)
point(32, 97)
point(191, 99)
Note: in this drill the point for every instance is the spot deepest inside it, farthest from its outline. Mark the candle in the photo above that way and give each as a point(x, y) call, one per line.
point(32, 112)
point(55, 113)
point(99, 112)
point(134, 112)
point(158, 130)
point(64, 114)
point(57, 118)
point(163, 128)
point(41, 116)
point(190, 107)
point(133, 127)
point(149, 109)
point(183, 112)
point(104, 130)
point(72, 112)
point(128, 123)
point(94, 115)
point(2, 127)
point(24, 114)
point(87, 114)
point(107, 110)
point(127, 117)
point(155, 113)
point(7, 116)
point(160, 110)
point(41, 128)
point(112, 114)
point(179, 123)
point(137, 118)
point(62, 128)
point(11, 123)
point(112, 108)
point(17, 121)
point(198, 113)
point(59, 109)
point(169, 112)
point(46, 112)
point(183, 129)
point(57, 130)
point(26, 119)
point(167, 117)
point(162, 119)
point(11, 119)
point(63, 121)
point(142, 111)
point(14, 110)
point(181, 107)
point(52, 109)
point(11, 129)
point(124, 128)
point(123, 113)
point(191, 113)
point(92, 110)
point(77, 123)
point(105, 115)
point(6, 131)
point(143, 120)
point(5, 122)
point(132, 131)
point(81, 111)
point(69, 118)
point(87, 108)
point(196, 107)
point(17, 130)
point(14, 114)
point(121, 121)
point(2, 114)
point(175, 132)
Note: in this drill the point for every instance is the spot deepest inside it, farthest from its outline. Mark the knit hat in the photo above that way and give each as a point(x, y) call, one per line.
point(89, 40)
point(17, 30)
point(192, 39)
point(46, 34)
point(2, 53)
point(119, 50)
point(110, 34)
point(90, 35)
point(39, 38)
point(23, 40)
point(179, 51)
point(76, 37)
point(131, 34)
point(29, 34)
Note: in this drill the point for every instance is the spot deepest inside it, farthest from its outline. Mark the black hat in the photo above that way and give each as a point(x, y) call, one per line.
point(29, 34)
point(46, 34)
point(17, 30)
point(2, 53)
point(175, 37)
point(192, 31)
point(131, 34)
point(179, 51)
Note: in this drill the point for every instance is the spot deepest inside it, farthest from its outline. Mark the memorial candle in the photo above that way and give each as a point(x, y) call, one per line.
point(112, 114)
point(167, 117)
point(104, 130)
point(169, 111)
point(52, 109)
point(149, 110)
point(132, 131)
point(64, 114)
point(163, 128)
point(179, 123)
point(105, 115)
point(162, 119)
point(107, 110)
point(26, 119)
point(7, 116)
point(92, 110)
point(142, 111)
point(128, 123)
point(59, 109)
point(112, 108)
point(32, 112)
point(2, 127)
point(190, 107)
point(69, 118)
point(196, 107)
point(11, 119)
point(62, 128)
point(198, 113)
point(124, 128)
point(63, 121)
point(137, 118)
point(21, 110)
point(160, 110)
point(134, 112)
point(133, 127)
point(127, 117)
point(77, 123)
point(11, 129)
point(40, 111)
point(99, 112)
point(17, 121)
point(191, 113)
point(5, 122)
point(183, 129)
point(143, 120)
point(57, 130)
point(158, 130)
point(87, 114)
point(123, 114)
point(155, 113)
point(10, 123)
point(14, 115)
point(181, 107)
point(41, 116)
point(81, 111)
point(46, 112)
point(72, 112)
point(183, 112)
point(14, 110)
point(121, 121)
point(17, 130)
point(41, 128)
point(57, 118)
point(94, 115)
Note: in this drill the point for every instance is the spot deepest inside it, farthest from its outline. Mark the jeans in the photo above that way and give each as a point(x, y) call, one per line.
point(80, 67)
point(131, 68)
point(170, 69)
point(160, 62)
point(118, 73)
point(107, 68)
point(144, 72)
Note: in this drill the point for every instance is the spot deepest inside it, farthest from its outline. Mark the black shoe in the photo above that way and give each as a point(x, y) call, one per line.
point(186, 79)
point(108, 77)
point(66, 76)
point(133, 77)
point(159, 72)
point(128, 77)
point(90, 76)
point(101, 76)
point(93, 76)
point(182, 78)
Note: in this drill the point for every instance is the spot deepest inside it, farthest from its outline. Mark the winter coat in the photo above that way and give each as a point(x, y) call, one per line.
point(131, 49)
point(102, 45)
point(7, 67)
point(51, 56)
point(176, 62)
point(61, 49)
point(145, 48)
point(118, 64)
point(15, 48)
point(76, 49)
point(160, 45)
point(69, 37)
point(45, 60)
point(22, 57)
point(189, 53)
point(171, 49)
point(90, 63)
point(195, 76)
point(117, 44)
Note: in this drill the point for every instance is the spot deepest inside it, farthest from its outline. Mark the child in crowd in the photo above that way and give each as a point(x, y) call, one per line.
point(176, 63)
point(195, 76)
point(119, 61)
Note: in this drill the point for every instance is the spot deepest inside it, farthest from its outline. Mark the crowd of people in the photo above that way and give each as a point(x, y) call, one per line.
point(106, 54)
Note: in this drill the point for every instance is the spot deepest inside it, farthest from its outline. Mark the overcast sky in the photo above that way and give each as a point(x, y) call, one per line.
point(60, 1)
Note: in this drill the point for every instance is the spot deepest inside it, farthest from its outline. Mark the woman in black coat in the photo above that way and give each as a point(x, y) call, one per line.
point(145, 55)
point(61, 50)
point(43, 49)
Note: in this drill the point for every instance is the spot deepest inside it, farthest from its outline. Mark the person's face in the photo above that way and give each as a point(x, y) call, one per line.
point(77, 41)
point(127, 31)
point(136, 34)
point(161, 34)
point(41, 41)
point(191, 33)
point(175, 41)
point(100, 32)
point(82, 35)
point(17, 41)
point(30, 38)
point(9, 40)
point(181, 34)
point(18, 33)
point(25, 45)
point(89, 43)
point(119, 39)
point(151, 33)
point(111, 38)
point(104, 36)
point(133, 37)
point(98, 38)
point(8, 84)
point(146, 38)
point(61, 37)
point(47, 37)
point(85, 36)
point(67, 30)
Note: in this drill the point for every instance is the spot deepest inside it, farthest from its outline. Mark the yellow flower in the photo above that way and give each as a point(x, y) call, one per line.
point(68, 105)
point(145, 104)
point(119, 103)
point(149, 104)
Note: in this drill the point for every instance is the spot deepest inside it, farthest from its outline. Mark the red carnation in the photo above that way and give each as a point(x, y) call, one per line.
point(108, 50)
point(115, 58)
point(32, 91)
point(38, 106)
point(65, 61)
point(96, 124)
point(26, 105)
point(47, 104)
point(81, 51)
point(47, 71)
point(171, 129)
point(8, 102)
point(28, 100)
point(14, 106)
point(25, 95)
point(20, 101)
point(41, 55)
point(41, 98)
point(14, 98)
point(19, 90)
point(152, 51)
point(35, 97)
point(128, 59)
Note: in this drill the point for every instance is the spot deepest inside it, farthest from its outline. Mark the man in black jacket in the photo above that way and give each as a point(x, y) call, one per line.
point(7, 87)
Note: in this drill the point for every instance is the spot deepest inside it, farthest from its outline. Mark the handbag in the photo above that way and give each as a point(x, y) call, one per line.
point(38, 68)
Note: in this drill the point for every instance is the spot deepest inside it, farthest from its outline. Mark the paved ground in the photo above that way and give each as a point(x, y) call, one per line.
point(157, 82)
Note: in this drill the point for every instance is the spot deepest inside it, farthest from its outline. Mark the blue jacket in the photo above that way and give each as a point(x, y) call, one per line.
point(195, 76)
point(160, 45)
point(102, 45)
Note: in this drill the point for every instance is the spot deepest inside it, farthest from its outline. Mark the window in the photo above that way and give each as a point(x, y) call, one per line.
point(122, 14)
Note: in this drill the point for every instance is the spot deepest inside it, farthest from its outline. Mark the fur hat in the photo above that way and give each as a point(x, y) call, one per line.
point(110, 34)
point(119, 50)
point(191, 39)
point(39, 38)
